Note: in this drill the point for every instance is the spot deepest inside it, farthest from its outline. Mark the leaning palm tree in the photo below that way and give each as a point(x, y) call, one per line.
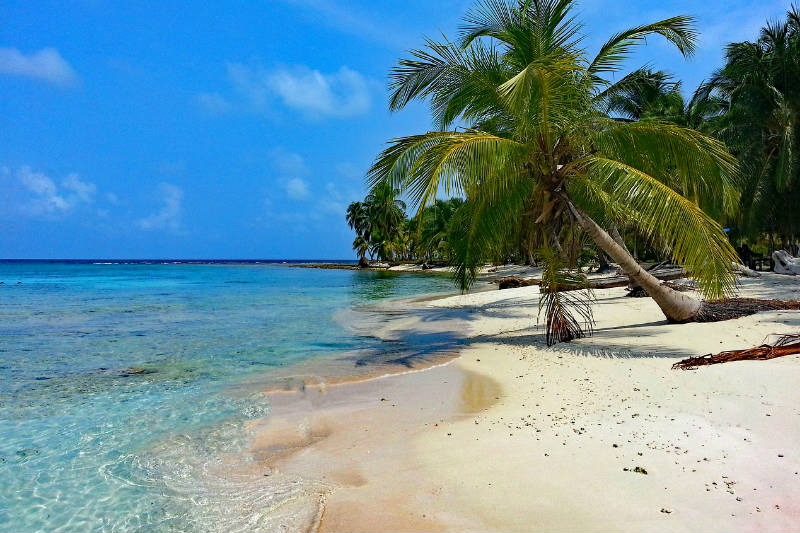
point(537, 146)
point(357, 217)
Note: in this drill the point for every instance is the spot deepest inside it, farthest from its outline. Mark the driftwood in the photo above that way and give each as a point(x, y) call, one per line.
point(785, 263)
point(785, 345)
point(512, 282)
point(744, 271)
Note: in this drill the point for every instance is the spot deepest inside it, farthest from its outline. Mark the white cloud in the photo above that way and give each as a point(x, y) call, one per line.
point(83, 190)
point(213, 103)
point(41, 195)
point(46, 64)
point(169, 216)
point(344, 93)
point(291, 168)
point(297, 189)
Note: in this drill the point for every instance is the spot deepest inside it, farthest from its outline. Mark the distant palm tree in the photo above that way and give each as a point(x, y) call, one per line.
point(386, 215)
point(538, 147)
point(358, 219)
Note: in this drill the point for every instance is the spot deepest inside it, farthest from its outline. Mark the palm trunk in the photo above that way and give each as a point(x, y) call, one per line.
point(677, 306)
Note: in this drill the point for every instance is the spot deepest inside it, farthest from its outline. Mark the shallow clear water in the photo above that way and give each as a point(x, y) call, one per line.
point(118, 386)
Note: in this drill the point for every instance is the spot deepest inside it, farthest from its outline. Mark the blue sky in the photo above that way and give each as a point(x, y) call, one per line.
point(233, 130)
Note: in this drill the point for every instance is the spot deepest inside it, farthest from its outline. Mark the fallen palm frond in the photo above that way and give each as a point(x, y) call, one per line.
point(718, 310)
point(568, 311)
point(785, 345)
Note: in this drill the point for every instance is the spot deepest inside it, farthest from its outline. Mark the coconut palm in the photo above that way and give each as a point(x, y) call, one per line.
point(537, 147)
point(357, 217)
point(761, 83)
point(647, 94)
point(654, 94)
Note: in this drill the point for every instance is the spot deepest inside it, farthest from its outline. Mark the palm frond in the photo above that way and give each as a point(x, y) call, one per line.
point(692, 238)
point(566, 300)
point(447, 162)
point(483, 224)
point(695, 164)
point(679, 30)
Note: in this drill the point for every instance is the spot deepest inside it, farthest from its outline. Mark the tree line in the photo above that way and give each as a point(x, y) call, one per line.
point(556, 161)
point(750, 105)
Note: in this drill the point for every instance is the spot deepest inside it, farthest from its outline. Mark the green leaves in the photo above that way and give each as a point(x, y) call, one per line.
point(694, 164)
point(452, 163)
point(679, 30)
point(689, 235)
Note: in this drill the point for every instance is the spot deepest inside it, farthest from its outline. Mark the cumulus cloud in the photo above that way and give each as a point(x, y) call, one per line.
point(169, 215)
point(46, 64)
point(341, 94)
point(316, 95)
point(41, 195)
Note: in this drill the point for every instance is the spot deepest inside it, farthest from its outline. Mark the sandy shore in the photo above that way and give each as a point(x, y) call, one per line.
point(597, 434)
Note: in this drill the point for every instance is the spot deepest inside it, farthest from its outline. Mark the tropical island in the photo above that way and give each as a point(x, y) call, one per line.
point(602, 328)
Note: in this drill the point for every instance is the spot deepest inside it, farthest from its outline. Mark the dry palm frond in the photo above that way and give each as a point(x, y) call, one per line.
point(785, 345)
point(729, 308)
point(568, 312)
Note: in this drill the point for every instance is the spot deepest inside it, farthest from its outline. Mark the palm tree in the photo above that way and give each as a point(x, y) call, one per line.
point(537, 147)
point(654, 94)
point(647, 94)
point(760, 83)
point(357, 217)
point(386, 214)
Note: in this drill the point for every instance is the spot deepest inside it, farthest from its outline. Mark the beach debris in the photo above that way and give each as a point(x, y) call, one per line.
point(636, 470)
point(680, 287)
point(744, 271)
point(784, 345)
point(785, 263)
point(513, 282)
point(638, 292)
point(730, 308)
point(666, 510)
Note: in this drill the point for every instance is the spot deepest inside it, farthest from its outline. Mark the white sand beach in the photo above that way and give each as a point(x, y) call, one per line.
point(596, 434)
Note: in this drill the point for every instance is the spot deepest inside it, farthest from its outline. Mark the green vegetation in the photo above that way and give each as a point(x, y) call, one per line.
point(554, 160)
point(384, 232)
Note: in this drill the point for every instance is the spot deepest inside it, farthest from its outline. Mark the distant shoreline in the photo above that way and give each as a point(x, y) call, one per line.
point(173, 261)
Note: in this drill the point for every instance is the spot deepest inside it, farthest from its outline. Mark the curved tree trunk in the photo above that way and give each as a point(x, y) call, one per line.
point(677, 306)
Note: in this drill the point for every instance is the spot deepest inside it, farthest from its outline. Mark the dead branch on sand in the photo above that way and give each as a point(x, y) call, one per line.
point(718, 310)
point(785, 345)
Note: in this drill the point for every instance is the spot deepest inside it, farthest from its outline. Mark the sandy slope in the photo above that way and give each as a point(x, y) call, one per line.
point(556, 449)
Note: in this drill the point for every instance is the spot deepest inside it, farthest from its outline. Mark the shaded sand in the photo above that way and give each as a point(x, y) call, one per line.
point(517, 436)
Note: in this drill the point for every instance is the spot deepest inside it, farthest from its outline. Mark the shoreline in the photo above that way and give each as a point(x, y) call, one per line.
point(557, 443)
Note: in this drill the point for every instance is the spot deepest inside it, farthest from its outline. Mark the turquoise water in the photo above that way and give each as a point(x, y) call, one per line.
point(118, 385)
